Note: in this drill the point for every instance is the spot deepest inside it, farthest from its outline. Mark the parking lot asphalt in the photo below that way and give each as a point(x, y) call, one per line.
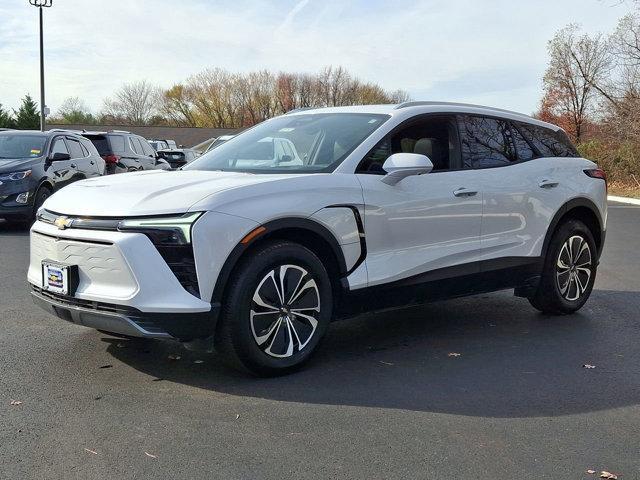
point(474, 388)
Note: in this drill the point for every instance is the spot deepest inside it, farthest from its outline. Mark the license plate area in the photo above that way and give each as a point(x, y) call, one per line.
point(59, 278)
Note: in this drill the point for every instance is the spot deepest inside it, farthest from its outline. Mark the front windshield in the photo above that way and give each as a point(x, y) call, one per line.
point(15, 145)
point(307, 143)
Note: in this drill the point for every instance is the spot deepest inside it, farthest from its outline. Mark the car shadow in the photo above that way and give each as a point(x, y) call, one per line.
point(486, 356)
point(13, 230)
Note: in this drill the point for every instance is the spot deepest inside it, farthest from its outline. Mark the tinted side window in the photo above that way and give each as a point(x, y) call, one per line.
point(523, 149)
point(59, 146)
point(75, 150)
point(117, 143)
point(486, 142)
point(548, 142)
point(148, 150)
point(135, 145)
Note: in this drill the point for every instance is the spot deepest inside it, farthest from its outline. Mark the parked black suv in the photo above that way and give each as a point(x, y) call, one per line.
point(35, 164)
point(125, 151)
point(178, 157)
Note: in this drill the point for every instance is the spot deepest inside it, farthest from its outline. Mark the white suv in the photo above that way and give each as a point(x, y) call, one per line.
point(378, 206)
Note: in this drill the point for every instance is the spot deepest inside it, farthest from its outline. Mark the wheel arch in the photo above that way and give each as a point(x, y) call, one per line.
point(582, 209)
point(309, 233)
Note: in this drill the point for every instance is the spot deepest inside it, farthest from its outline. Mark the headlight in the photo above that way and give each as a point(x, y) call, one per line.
point(7, 177)
point(165, 231)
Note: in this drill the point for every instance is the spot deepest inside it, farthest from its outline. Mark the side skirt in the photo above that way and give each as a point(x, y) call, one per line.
point(520, 273)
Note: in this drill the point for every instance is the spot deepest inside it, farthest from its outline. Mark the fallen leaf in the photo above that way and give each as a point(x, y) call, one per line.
point(237, 416)
point(106, 366)
point(91, 451)
point(198, 361)
point(608, 475)
point(174, 357)
point(591, 472)
point(385, 363)
point(150, 455)
point(97, 397)
point(586, 365)
point(454, 354)
point(16, 402)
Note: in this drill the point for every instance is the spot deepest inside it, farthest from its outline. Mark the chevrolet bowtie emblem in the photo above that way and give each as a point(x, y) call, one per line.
point(63, 222)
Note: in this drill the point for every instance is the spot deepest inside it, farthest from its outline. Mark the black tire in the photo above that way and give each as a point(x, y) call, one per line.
point(244, 323)
point(565, 290)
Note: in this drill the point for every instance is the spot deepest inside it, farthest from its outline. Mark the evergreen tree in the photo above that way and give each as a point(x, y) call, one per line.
point(6, 120)
point(27, 116)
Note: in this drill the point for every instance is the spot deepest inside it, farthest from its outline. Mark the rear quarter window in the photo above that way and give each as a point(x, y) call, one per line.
point(117, 143)
point(548, 142)
point(101, 144)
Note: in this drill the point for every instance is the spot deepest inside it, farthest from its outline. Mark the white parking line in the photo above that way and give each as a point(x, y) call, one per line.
point(630, 201)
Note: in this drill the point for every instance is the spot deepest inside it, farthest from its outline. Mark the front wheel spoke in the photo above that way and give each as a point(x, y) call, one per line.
point(263, 338)
point(295, 332)
point(259, 301)
point(309, 284)
point(278, 288)
point(583, 286)
point(577, 249)
point(308, 318)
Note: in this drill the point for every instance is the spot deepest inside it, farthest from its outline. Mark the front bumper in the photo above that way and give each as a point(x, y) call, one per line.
point(127, 321)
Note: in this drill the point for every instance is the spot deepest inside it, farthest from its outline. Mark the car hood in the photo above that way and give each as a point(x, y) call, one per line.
point(153, 192)
point(8, 165)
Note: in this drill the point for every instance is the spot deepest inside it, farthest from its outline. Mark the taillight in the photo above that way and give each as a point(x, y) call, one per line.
point(597, 173)
point(111, 158)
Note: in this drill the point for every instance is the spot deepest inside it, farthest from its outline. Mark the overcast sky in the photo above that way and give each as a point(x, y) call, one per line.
point(490, 52)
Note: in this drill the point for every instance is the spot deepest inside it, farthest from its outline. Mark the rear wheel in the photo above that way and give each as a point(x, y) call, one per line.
point(276, 310)
point(569, 270)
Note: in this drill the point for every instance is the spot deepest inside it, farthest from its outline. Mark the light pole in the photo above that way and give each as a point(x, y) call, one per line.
point(41, 4)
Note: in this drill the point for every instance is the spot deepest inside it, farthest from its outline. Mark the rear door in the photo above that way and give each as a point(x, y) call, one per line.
point(80, 160)
point(426, 222)
point(141, 158)
point(517, 203)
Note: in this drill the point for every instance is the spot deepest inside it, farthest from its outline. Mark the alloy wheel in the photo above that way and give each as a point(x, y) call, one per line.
point(574, 268)
point(284, 311)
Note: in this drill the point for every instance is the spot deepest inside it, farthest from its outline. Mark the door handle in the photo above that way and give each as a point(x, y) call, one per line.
point(463, 192)
point(547, 184)
point(92, 162)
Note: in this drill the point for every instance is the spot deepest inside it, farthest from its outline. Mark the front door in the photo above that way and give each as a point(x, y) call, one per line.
point(423, 223)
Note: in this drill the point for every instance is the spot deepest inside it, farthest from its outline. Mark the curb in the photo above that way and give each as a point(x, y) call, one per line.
point(630, 201)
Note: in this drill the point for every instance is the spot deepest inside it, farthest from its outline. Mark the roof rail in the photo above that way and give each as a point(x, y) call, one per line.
point(455, 104)
point(301, 109)
point(118, 131)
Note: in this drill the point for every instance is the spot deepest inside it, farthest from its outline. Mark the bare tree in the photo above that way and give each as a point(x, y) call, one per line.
point(74, 111)
point(218, 98)
point(134, 103)
point(578, 65)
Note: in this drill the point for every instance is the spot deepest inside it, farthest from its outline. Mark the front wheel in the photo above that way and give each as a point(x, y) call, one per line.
point(276, 310)
point(569, 270)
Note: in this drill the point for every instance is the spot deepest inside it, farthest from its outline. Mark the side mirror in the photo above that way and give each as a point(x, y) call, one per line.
point(284, 159)
point(59, 157)
point(402, 165)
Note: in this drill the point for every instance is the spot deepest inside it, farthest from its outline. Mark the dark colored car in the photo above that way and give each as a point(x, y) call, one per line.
point(163, 144)
point(125, 151)
point(35, 164)
point(178, 157)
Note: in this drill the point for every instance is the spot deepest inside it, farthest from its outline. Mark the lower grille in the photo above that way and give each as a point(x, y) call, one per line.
point(88, 304)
